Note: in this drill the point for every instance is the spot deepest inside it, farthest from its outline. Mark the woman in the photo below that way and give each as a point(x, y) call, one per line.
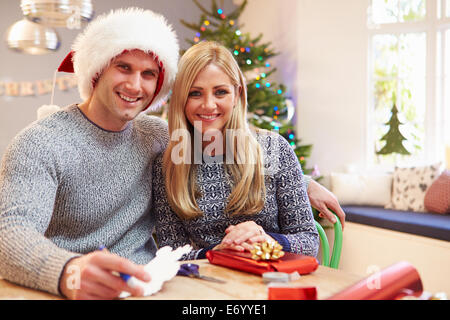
point(220, 184)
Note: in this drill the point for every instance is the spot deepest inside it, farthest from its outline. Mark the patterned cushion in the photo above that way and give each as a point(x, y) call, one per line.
point(437, 198)
point(409, 186)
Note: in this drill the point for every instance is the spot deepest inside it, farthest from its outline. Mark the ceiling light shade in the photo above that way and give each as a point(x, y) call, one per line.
point(29, 37)
point(57, 13)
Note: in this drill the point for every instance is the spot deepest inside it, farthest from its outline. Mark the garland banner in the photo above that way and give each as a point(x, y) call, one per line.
point(38, 87)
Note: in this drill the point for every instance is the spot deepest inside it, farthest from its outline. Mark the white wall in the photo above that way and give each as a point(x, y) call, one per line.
point(323, 46)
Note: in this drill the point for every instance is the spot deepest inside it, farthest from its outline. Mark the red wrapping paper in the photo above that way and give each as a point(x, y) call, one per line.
point(292, 293)
point(394, 282)
point(289, 263)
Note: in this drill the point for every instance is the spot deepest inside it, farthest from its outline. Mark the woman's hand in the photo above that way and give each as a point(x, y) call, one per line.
point(242, 236)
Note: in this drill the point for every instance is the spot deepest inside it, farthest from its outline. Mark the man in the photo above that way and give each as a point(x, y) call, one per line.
point(81, 177)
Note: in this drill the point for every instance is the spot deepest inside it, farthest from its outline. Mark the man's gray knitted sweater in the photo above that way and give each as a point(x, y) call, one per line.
point(68, 186)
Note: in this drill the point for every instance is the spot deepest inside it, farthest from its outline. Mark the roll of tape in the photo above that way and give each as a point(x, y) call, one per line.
point(275, 277)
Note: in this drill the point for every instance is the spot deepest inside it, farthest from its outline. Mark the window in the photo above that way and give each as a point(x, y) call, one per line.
point(409, 55)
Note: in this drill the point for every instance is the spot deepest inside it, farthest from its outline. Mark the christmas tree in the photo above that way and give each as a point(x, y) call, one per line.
point(393, 137)
point(268, 106)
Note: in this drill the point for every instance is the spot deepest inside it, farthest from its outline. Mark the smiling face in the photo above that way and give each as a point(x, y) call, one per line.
point(125, 88)
point(211, 99)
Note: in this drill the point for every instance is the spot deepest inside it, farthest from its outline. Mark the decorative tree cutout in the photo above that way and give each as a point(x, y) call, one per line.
point(394, 138)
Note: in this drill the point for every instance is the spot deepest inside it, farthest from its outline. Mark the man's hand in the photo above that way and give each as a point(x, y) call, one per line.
point(90, 276)
point(322, 199)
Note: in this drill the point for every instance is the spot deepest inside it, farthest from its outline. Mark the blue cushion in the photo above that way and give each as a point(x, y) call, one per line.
point(425, 224)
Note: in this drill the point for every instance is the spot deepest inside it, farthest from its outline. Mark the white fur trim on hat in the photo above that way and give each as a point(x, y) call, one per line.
point(125, 29)
point(46, 110)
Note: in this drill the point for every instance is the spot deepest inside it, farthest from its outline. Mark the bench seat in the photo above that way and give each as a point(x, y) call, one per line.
point(425, 224)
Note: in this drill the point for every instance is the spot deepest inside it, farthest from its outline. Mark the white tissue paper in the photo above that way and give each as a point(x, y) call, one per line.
point(163, 267)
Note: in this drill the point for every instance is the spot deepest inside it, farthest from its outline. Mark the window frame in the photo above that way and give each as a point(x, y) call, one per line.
point(436, 134)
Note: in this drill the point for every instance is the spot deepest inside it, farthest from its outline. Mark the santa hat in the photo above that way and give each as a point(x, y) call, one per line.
point(120, 30)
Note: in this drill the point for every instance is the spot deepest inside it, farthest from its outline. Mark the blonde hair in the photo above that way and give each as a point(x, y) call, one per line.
point(248, 191)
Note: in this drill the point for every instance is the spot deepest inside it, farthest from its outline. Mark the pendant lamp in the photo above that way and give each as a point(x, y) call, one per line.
point(32, 38)
point(58, 13)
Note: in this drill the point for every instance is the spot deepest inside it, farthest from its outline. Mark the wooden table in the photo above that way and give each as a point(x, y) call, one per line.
point(239, 285)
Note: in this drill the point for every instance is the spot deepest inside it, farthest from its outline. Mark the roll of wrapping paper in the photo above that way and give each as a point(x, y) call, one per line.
point(391, 283)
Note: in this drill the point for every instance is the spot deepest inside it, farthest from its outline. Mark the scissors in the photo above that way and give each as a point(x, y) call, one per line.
point(191, 270)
